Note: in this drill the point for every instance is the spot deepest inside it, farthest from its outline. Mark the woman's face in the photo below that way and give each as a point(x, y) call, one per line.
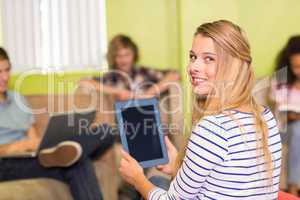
point(203, 65)
point(124, 59)
point(295, 64)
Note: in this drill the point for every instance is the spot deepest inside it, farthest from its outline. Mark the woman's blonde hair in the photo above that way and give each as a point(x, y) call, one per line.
point(234, 83)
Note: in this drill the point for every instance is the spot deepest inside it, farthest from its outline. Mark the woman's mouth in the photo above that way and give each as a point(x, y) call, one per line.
point(198, 80)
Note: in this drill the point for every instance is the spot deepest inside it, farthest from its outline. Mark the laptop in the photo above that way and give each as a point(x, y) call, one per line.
point(61, 127)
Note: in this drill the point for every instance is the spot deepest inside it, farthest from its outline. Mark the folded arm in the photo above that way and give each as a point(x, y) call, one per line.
point(28, 144)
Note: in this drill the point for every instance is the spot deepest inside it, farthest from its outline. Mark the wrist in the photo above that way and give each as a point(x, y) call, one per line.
point(144, 187)
point(139, 181)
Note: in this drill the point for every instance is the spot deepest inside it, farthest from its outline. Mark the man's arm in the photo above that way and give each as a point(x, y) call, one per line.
point(98, 86)
point(293, 116)
point(120, 94)
point(162, 85)
point(29, 144)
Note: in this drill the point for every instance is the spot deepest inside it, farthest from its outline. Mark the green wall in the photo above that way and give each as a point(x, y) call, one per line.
point(269, 24)
point(152, 25)
point(51, 83)
point(164, 29)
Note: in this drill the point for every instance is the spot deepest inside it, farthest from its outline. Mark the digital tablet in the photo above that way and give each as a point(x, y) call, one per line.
point(141, 132)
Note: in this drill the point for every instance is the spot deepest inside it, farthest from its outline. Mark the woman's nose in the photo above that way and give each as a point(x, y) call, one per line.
point(196, 67)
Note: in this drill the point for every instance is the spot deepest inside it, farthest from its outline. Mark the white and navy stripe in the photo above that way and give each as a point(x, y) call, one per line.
point(221, 161)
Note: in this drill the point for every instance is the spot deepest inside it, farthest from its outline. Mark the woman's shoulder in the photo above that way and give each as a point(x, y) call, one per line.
point(211, 130)
point(217, 119)
point(226, 116)
point(210, 123)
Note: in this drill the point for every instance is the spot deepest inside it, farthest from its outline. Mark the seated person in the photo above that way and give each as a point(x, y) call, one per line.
point(286, 93)
point(126, 80)
point(70, 161)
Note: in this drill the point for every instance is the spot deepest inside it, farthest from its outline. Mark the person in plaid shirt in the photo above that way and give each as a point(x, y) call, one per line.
point(126, 80)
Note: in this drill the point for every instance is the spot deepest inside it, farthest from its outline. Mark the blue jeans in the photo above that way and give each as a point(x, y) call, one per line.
point(80, 177)
point(293, 131)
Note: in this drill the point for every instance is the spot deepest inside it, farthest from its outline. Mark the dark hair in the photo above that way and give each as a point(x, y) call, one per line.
point(3, 54)
point(120, 41)
point(283, 59)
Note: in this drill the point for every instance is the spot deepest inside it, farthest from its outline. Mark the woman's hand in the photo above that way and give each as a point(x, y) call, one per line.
point(172, 154)
point(130, 170)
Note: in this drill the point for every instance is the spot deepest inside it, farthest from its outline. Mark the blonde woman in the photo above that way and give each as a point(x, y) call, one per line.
point(234, 149)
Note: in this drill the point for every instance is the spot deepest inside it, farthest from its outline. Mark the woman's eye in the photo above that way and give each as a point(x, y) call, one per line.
point(208, 59)
point(193, 57)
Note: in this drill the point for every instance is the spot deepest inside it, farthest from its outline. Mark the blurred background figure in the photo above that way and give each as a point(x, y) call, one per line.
point(127, 80)
point(286, 96)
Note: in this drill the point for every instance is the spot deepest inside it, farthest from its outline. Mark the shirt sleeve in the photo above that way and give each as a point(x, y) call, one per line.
point(207, 147)
point(101, 79)
point(28, 115)
point(111, 78)
point(153, 75)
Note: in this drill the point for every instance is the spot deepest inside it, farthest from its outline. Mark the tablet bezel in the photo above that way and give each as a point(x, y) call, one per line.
point(121, 105)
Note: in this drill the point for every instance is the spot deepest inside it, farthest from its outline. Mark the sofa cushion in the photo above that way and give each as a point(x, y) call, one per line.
point(42, 188)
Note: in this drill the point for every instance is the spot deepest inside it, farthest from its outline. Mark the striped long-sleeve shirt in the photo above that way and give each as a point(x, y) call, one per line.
point(223, 161)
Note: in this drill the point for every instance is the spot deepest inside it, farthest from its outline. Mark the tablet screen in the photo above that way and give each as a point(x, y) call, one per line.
point(142, 133)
